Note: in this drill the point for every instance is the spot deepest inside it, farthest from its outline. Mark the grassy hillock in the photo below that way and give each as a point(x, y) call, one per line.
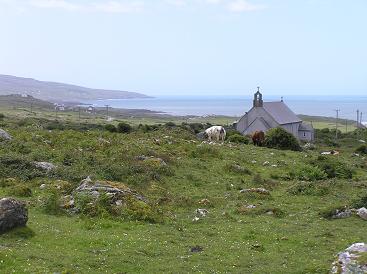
point(287, 230)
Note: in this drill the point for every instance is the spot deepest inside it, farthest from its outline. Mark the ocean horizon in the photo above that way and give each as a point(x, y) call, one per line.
point(237, 105)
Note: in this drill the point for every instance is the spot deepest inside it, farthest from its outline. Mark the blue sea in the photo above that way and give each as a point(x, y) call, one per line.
point(238, 105)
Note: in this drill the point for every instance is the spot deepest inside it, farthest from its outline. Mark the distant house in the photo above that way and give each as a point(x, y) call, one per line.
point(90, 109)
point(266, 115)
point(59, 107)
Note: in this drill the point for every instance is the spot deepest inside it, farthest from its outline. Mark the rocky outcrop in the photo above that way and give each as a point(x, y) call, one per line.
point(4, 135)
point(95, 188)
point(351, 260)
point(13, 213)
point(44, 166)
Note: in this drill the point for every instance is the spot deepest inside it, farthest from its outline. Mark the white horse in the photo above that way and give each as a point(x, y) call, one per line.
point(215, 133)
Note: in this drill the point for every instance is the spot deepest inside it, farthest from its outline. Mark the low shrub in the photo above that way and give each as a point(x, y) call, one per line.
point(52, 203)
point(279, 138)
point(21, 191)
point(308, 173)
point(361, 202)
point(2, 116)
point(124, 128)
point(362, 149)
point(239, 139)
point(273, 211)
point(110, 128)
point(170, 125)
point(333, 167)
point(17, 166)
point(308, 188)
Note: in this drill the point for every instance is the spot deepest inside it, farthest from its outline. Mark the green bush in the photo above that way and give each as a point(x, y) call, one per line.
point(170, 125)
point(279, 138)
point(308, 188)
point(124, 128)
point(52, 203)
point(333, 168)
point(110, 128)
point(17, 166)
point(309, 173)
point(2, 116)
point(239, 139)
point(21, 191)
point(362, 149)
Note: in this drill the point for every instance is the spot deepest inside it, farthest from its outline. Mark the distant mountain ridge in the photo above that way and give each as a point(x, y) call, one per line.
point(59, 92)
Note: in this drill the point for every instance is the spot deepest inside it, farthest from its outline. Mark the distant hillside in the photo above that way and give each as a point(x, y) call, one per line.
point(59, 92)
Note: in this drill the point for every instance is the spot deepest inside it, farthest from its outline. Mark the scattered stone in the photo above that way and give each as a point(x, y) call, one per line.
point(13, 213)
point(202, 212)
point(250, 206)
point(362, 212)
point(4, 135)
point(151, 158)
point(256, 190)
point(253, 161)
point(196, 249)
point(274, 165)
point(332, 152)
point(196, 219)
point(68, 202)
point(348, 261)
point(266, 163)
point(342, 214)
point(362, 141)
point(45, 166)
point(43, 186)
point(355, 155)
point(118, 202)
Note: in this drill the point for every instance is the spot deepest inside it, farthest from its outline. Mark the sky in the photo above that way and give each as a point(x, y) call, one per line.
point(189, 47)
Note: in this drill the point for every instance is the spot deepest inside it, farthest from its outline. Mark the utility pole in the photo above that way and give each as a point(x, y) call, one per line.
point(360, 120)
point(357, 118)
point(336, 123)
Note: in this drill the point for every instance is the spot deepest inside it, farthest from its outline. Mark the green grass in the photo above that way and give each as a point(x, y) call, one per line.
point(296, 239)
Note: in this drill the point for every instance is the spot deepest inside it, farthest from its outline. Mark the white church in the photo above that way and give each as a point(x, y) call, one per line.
point(266, 115)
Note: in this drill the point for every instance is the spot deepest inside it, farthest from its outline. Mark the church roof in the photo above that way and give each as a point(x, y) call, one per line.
point(281, 113)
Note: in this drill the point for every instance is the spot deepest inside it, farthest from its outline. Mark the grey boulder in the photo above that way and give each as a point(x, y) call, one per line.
point(13, 213)
point(4, 135)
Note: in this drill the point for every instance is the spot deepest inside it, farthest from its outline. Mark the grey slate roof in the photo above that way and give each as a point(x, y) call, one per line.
point(281, 113)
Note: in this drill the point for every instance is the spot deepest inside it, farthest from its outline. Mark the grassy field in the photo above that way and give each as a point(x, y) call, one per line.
point(284, 233)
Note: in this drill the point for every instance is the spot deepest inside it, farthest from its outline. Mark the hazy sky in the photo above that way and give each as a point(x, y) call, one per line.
point(189, 46)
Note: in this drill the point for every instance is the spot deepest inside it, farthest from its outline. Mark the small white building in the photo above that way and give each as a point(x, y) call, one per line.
point(266, 115)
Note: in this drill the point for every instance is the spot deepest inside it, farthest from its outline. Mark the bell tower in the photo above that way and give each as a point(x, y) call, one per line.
point(258, 98)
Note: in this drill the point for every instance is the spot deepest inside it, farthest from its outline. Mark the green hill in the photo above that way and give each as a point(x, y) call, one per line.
point(283, 231)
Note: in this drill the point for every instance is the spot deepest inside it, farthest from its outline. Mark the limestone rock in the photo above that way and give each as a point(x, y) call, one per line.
point(351, 260)
point(13, 213)
point(4, 135)
point(362, 212)
point(44, 166)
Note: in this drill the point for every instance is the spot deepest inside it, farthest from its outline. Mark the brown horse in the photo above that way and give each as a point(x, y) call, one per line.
point(258, 138)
